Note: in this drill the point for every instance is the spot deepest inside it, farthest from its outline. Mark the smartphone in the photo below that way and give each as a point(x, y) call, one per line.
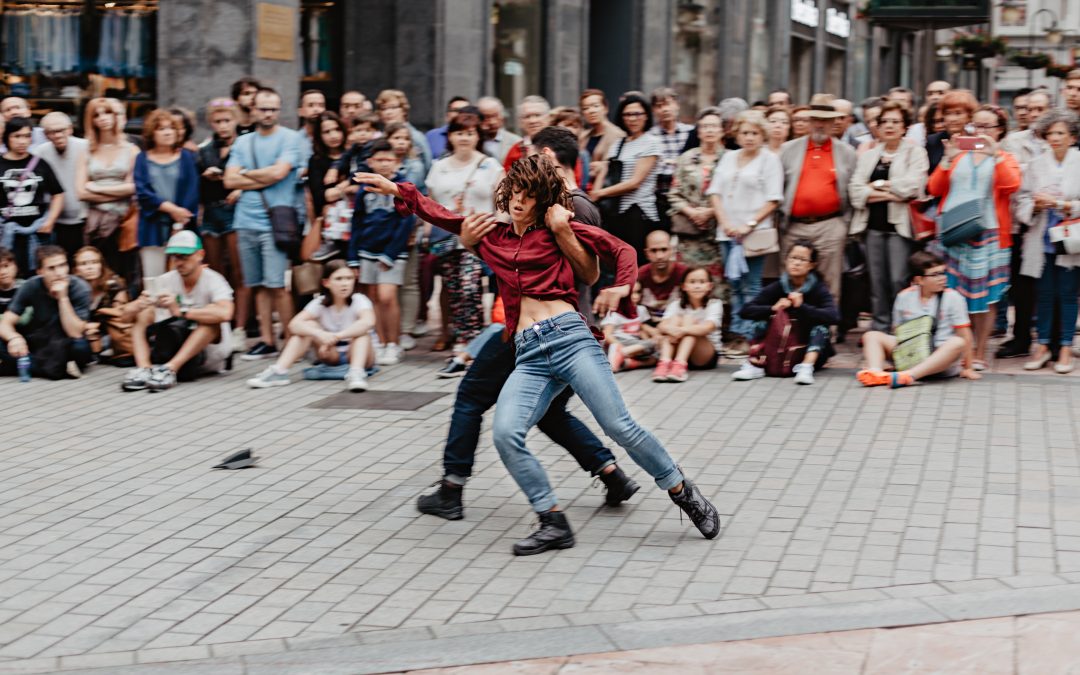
point(215, 170)
point(151, 286)
point(969, 143)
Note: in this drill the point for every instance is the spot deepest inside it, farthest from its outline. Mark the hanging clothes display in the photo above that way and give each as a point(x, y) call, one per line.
point(40, 40)
point(127, 44)
point(315, 35)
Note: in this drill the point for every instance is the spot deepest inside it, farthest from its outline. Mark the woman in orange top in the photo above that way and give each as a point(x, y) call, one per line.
point(979, 269)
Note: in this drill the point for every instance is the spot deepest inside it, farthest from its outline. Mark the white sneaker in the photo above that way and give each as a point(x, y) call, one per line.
point(420, 329)
point(380, 353)
point(239, 340)
point(748, 371)
point(356, 380)
point(407, 342)
point(391, 355)
point(804, 373)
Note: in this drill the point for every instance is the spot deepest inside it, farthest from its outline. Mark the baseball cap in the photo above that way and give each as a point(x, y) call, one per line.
point(184, 242)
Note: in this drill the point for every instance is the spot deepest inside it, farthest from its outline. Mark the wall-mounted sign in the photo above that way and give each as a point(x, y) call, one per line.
point(837, 23)
point(805, 12)
point(276, 32)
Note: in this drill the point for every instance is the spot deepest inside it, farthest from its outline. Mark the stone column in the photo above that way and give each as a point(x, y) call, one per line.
point(566, 51)
point(206, 45)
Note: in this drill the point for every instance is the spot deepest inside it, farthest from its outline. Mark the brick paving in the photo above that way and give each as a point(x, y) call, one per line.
point(119, 545)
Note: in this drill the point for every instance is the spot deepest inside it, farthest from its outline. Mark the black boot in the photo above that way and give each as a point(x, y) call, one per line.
point(620, 487)
point(702, 513)
point(444, 502)
point(554, 532)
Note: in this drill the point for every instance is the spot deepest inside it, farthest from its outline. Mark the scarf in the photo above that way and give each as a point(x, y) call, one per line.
point(785, 283)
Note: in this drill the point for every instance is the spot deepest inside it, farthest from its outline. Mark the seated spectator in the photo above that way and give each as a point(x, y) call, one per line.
point(46, 320)
point(337, 324)
point(630, 341)
point(108, 295)
point(807, 300)
point(182, 324)
point(661, 277)
point(9, 278)
point(690, 332)
point(379, 246)
point(953, 341)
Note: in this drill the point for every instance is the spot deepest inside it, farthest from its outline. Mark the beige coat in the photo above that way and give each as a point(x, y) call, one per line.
point(792, 155)
point(907, 180)
point(1036, 179)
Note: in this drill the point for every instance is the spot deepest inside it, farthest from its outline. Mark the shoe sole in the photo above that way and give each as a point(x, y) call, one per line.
point(259, 384)
point(447, 514)
point(258, 357)
point(126, 387)
point(356, 389)
point(447, 376)
point(553, 546)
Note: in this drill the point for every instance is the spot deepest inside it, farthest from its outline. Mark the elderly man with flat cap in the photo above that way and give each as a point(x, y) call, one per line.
point(817, 169)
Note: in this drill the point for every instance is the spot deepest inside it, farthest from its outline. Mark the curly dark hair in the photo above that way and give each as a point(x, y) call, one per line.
point(538, 178)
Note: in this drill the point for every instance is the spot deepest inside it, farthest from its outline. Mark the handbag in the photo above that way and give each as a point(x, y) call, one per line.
point(915, 339)
point(964, 222)
point(284, 222)
point(780, 349)
point(761, 241)
point(923, 223)
point(609, 206)
point(307, 278)
point(1065, 236)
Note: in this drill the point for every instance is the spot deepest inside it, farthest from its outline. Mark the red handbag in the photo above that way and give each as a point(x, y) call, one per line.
point(923, 223)
point(780, 349)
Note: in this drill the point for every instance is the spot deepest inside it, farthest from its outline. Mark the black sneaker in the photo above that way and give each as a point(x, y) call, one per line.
point(452, 369)
point(702, 513)
point(554, 532)
point(620, 487)
point(1011, 350)
point(261, 350)
point(444, 502)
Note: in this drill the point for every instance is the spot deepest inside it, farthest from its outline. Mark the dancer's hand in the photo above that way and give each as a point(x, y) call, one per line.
point(608, 299)
point(475, 227)
point(558, 218)
point(373, 182)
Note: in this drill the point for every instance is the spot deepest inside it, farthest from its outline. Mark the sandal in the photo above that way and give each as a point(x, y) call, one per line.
point(439, 346)
point(978, 365)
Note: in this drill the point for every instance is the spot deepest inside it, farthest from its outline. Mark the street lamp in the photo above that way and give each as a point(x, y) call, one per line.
point(1053, 33)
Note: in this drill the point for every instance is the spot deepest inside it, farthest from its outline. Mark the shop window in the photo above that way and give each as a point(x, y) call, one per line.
point(321, 24)
point(518, 56)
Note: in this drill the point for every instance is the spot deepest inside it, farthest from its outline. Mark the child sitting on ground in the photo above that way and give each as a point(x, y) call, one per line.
point(952, 337)
point(690, 330)
point(630, 342)
point(801, 292)
point(338, 324)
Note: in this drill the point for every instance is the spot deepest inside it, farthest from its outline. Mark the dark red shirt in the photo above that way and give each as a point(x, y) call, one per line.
point(656, 295)
point(531, 265)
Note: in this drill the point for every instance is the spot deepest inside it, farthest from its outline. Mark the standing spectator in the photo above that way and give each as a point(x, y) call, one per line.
point(729, 111)
point(661, 277)
point(352, 106)
point(219, 208)
point(64, 153)
point(436, 138)
point(56, 307)
point(1070, 91)
point(464, 182)
point(690, 331)
point(185, 124)
point(167, 189)
point(746, 189)
point(779, 97)
point(328, 146)
point(183, 332)
point(400, 140)
point(14, 107)
point(779, 120)
point(639, 154)
point(1025, 145)
point(692, 216)
point(886, 178)
point(903, 96)
point(393, 106)
point(841, 125)
point(31, 198)
point(601, 134)
point(1020, 110)
point(107, 298)
point(800, 121)
point(957, 107)
point(265, 166)
point(817, 172)
point(106, 182)
point(497, 140)
point(533, 115)
point(1051, 193)
point(675, 138)
point(979, 269)
point(243, 92)
point(312, 106)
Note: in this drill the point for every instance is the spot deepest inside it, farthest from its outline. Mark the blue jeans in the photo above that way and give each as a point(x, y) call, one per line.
point(743, 290)
point(1057, 286)
point(478, 391)
point(551, 355)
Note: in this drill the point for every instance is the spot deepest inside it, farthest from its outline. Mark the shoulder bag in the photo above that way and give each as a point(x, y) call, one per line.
point(915, 339)
point(1065, 236)
point(963, 222)
point(609, 206)
point(761, 241)
point(780, 349)
point(284, 221)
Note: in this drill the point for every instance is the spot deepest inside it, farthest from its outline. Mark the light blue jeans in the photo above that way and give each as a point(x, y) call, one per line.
point(551, 355)
point(743, 290)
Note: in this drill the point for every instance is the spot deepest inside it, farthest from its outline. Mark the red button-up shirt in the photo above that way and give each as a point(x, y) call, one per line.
point(531, 265)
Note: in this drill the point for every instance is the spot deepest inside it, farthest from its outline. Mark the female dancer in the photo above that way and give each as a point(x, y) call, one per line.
point(555, 347)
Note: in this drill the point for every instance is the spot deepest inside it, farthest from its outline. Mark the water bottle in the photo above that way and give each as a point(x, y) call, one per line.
point(23, 364)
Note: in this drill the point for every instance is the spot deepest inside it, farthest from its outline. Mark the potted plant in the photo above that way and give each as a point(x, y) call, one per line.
point(1059, 70)
point(1031, 60)
point(978, 43)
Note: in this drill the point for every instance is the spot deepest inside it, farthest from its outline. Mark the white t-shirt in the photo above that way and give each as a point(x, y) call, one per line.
point(447, 179)
point(334, 320)
point(626, 328)
point(646, 145)
point(712, 312)
point(744, 191)
point(210, 288)
point(954, 315)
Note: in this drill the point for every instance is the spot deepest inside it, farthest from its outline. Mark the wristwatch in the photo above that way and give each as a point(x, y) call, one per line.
point(878, 184)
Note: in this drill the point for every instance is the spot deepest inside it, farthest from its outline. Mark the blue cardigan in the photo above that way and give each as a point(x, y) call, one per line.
point(154, 226)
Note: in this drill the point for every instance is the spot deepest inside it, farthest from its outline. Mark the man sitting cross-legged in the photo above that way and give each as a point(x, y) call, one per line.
point(182, 328)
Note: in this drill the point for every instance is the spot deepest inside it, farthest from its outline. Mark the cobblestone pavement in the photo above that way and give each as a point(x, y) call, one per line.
point(844, 508)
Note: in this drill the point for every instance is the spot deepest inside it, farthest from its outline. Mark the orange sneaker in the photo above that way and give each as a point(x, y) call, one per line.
point(615, 357)
point(662, 371)
point(678, 372)
point(873, 378)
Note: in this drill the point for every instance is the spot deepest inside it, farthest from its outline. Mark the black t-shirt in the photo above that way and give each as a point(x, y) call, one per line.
point(212, 191)
point(879, 211)
point(45, 310)
point(25, 195)
point(6, 296)
point(585, 210)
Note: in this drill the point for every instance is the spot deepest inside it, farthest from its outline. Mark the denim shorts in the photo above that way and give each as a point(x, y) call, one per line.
point(217, 220)
point(263, 263)
point(372, 272)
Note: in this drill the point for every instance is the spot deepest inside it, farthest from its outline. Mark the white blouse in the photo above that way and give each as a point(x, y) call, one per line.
point(743, 191)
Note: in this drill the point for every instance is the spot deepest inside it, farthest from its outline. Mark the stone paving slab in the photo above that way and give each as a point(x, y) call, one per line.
point(121, 548)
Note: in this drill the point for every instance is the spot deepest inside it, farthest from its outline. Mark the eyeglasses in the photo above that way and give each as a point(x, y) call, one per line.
point(986, 126)
point(933, 275)
point(268, 110)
